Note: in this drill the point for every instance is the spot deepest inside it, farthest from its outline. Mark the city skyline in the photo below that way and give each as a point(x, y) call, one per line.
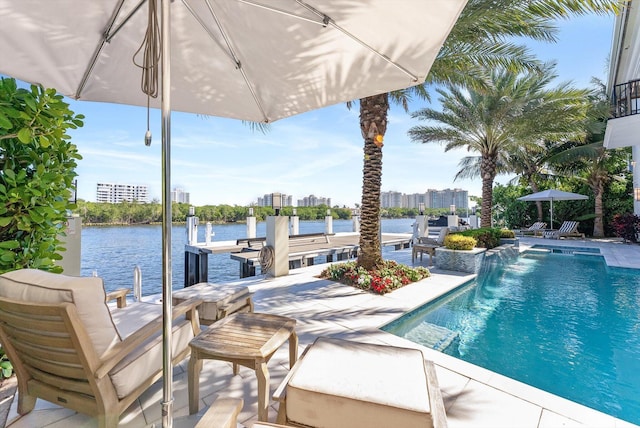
point(223, 161)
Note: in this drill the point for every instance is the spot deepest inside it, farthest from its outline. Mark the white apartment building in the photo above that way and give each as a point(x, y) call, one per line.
point(314, 201)
point(265, 201)
point(180, 196)
point(431, 198)
point(115, 193)
point(393, 200)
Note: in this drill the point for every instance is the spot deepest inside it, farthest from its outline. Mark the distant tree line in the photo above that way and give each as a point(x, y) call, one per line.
point(145, 213)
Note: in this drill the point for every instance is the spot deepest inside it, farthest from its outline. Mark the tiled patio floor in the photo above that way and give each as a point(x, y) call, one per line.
point(473, 396)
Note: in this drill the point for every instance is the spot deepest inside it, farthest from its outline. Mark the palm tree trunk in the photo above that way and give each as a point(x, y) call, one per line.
point(373, 122)
point(598, 226)
point(534, 189)
point(488, 171)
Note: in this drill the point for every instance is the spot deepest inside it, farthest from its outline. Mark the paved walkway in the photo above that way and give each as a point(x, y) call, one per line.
point(473, 396)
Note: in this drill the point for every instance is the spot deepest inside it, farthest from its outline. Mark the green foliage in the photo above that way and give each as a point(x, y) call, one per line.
point(37, 163)
point(141, 213)
point(459, 242)
point(6, 368)
point(486, 237)
point(511, 212)
point(390, 276)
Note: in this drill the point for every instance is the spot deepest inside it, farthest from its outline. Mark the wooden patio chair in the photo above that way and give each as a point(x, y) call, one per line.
point(428, 245)
point(67, 349)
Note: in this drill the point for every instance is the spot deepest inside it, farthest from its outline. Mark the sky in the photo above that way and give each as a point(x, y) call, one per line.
point(223, 161)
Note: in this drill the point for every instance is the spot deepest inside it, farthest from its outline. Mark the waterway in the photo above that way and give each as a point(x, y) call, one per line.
point(112, 252)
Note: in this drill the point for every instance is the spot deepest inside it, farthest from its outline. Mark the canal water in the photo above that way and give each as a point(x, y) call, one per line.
point(112, 252)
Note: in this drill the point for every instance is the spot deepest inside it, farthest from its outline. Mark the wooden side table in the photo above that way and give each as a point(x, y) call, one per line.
point(246, 339)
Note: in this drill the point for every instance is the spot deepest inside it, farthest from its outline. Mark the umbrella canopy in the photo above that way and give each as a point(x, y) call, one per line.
point(553, 195)
point(252, 60)
point(247, 59)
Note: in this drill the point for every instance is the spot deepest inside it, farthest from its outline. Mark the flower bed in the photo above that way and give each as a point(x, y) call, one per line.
point(391, 276)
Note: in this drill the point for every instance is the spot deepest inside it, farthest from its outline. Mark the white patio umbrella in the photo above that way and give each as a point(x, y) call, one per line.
point(553, 195)
point(247, 59)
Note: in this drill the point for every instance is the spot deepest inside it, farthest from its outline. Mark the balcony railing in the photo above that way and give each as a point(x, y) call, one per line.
point(626, 99)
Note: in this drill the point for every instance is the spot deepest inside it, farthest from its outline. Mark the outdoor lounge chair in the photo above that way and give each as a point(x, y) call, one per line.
point(339, 383)
point(535, 229)
point(66, 347)
point(429, 245)
point(569, 229)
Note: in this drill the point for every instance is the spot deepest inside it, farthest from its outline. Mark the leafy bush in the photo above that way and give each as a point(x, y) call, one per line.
point(37, 164)
point(459, 242)
point(390, 276)
point(487, 237)
point(627, 226)
point(6, 368)
point(506, 233)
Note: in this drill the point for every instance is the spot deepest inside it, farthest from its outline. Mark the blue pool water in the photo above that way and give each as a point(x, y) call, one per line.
point(564, 323)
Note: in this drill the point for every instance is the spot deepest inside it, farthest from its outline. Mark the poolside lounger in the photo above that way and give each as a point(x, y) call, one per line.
point(569, 229)
point(534, 229)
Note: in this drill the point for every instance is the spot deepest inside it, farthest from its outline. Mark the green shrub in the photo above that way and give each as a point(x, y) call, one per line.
point(506, 233)
point(487, 237)
point(6, 368)
point(37, 168)
point(457, 241)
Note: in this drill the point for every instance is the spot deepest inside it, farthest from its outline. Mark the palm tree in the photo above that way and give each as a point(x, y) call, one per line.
point(589, 161)
point(494, 119)
point(482, 36)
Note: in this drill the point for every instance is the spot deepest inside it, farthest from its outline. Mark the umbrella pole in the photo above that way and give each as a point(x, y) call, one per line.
point(167, 367)
point(551, 213)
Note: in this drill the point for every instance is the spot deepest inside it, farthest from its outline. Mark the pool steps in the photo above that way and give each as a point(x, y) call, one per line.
point(433, 336)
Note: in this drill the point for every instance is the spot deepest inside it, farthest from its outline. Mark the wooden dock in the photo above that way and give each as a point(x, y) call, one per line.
point(302, 252)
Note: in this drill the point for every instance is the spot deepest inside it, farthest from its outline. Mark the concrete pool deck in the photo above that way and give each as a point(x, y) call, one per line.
point(473, 396)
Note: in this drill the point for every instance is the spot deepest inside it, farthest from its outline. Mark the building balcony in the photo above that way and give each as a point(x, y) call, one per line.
point(626, 99)
point(623, 127)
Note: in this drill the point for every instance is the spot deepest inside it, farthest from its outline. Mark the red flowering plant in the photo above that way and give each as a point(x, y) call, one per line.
point(388, 277)
point(627, 226)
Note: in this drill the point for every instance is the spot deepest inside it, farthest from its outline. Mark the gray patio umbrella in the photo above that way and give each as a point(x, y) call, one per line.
point(247, 59)
point(553, 195)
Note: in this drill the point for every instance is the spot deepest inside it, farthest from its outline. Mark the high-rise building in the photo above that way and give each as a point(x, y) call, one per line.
point(391, 200)
point(314, 201)
point(431, 198)
point(179, 195)
point(116, 193)
point(265, 201)
point(447, 197)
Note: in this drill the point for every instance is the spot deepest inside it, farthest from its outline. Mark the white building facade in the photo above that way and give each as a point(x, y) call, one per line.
point(114, 193)
point(180, 196)
point(431, 198)
point(623, 128)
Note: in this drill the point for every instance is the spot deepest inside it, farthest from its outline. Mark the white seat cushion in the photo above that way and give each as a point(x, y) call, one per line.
point(87, 293)
point(133, 316)
point(215, 297)
point(340, 383)
point(146, 360)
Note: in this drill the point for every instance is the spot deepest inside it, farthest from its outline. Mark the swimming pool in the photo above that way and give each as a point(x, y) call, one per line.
point(562, 322)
